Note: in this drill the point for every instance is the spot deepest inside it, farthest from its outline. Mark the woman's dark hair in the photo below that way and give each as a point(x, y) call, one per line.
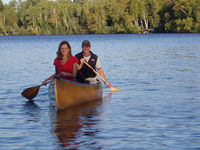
point(59, 55)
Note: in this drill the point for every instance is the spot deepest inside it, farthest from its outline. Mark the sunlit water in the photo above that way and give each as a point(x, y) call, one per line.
point(158, 107)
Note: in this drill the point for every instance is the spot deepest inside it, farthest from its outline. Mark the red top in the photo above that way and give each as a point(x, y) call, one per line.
point(67, 67)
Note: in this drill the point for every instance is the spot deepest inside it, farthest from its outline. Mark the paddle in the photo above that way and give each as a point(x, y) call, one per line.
point(31, 92)
point(113, 89)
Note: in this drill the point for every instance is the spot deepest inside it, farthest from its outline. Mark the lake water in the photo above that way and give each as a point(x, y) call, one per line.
point(158, 107)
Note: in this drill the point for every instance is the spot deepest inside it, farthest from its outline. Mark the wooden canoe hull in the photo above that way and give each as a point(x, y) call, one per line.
point(70, 93)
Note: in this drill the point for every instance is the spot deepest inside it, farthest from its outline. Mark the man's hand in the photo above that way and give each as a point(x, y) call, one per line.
point(82, 60)
point(108, 84)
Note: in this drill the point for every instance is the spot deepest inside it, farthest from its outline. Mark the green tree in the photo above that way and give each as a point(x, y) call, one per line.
point(99, 16)
point(96, 19)
point(9, 21)
point(1, 5)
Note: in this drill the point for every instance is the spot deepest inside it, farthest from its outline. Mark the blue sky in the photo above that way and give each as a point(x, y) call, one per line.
point(5, 1)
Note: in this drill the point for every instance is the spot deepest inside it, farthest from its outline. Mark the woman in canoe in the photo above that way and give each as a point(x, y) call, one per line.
point(65, 64)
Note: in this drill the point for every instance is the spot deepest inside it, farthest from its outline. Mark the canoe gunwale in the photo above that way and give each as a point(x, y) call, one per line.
point(79, 83)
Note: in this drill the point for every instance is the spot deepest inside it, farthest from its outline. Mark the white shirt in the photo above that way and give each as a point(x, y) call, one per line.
point(98, 63)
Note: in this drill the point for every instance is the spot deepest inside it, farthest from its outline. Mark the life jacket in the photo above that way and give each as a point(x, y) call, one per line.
point(85, 71)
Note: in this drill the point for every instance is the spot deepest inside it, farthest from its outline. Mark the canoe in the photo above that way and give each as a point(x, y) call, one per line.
point(64, 93)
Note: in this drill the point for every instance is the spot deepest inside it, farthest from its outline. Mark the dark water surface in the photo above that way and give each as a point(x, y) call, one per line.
point(158, 107)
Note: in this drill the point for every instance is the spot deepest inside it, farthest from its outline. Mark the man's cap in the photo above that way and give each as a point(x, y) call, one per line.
point(86, 43)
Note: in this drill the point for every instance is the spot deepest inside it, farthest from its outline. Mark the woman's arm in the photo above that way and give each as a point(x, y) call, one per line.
point(49, 78)
point(73, 74)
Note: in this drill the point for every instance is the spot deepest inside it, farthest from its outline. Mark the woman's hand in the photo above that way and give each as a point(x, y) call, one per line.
point(50, 78)
point(44, 82)
point(61, 74)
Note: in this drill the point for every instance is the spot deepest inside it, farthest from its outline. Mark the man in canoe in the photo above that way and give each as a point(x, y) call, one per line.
point(85, 73)
point(65, 64)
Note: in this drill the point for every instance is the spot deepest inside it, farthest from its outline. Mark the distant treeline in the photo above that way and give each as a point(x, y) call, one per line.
point(44, 17)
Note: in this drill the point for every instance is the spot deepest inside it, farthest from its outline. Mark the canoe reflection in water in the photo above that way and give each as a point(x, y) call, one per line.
point(75, 126)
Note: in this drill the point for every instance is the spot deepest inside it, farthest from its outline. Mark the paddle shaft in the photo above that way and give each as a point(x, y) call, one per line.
point(114, 89)
point(96, 72)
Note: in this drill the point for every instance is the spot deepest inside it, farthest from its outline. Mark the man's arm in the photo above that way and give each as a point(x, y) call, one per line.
point(101, 73)
point(81, 63)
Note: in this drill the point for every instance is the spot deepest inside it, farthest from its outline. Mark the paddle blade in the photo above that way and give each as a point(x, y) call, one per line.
point(114, 89)
point(31, 92)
